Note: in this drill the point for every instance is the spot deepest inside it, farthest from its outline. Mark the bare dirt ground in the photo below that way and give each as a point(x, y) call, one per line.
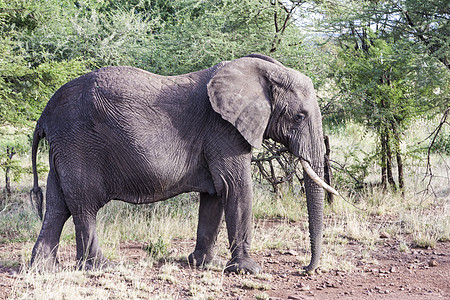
point(389, 274)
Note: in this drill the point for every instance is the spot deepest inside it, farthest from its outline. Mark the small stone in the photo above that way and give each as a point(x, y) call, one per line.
point(298, 297)
point(304, 287)
point(385, 235)
point(432, 263)
point(393, 269)
point(291, 252)
point(329, 284)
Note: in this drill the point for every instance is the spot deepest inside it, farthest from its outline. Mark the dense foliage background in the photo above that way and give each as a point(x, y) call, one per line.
point(382, 64)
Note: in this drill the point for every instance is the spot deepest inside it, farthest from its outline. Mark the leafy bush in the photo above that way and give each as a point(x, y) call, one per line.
point(158, 248)
point(442, 144)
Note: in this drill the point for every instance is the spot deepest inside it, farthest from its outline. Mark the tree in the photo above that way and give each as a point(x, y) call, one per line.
point(387, 70)
point(424, 21)
point(381, 97)
point(25, 84)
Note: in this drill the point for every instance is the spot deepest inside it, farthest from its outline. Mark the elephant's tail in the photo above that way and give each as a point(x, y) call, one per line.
point(36, 190)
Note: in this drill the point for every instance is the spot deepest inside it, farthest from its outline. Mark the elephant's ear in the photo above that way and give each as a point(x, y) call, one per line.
point(239, 92)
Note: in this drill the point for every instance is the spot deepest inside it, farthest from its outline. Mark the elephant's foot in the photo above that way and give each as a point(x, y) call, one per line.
point(243, 265)
point(43, 258)
point(310, 269)
point(44, 264)
point(200, 258)
point(97, 263)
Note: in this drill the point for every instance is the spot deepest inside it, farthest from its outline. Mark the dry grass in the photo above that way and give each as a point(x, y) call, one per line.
point(280, 224)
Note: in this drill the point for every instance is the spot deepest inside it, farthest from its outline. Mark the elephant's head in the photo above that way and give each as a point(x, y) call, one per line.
point(264, 99)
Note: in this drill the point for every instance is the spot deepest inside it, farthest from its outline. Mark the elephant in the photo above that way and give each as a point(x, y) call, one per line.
point(122, 133)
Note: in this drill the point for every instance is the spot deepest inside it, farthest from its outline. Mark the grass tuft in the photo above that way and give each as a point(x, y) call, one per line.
point(254, 285)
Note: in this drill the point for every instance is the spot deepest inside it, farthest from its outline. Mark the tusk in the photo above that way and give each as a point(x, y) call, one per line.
point(307, 167)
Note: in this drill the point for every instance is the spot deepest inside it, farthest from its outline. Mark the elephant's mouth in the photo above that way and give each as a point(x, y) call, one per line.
point(309, 170)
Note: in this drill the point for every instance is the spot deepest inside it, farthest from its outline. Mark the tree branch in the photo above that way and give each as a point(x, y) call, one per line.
point(433, 135)
point(419, 33)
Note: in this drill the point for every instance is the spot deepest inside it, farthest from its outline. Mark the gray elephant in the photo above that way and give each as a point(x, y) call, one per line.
point(127, 134)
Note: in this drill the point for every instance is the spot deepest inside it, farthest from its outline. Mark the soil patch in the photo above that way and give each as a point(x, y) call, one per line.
point(389, 274)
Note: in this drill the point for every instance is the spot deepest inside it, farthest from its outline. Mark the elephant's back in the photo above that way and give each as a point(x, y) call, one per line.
point(115, 81)
point(121, 84)
point(81, 99)
point(120, 88)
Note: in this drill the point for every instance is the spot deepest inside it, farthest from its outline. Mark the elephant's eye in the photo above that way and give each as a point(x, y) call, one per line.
point(299, 117)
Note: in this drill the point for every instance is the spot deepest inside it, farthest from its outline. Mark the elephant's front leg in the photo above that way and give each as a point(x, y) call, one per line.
point(238, 216)
point(209, 219)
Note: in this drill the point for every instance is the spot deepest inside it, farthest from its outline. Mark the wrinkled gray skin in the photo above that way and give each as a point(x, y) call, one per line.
point(127, 134)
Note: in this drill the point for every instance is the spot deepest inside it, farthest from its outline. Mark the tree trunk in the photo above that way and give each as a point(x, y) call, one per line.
point(390, 177)
point(328, 176)
point(398, 156)
point(400, 171)
point(383, 160)
point(10, 153)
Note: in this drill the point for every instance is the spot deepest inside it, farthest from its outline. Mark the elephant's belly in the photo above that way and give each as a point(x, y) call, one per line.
point(158, 190)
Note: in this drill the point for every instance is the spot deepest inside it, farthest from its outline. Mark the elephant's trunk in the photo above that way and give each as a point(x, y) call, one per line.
point(314, 200)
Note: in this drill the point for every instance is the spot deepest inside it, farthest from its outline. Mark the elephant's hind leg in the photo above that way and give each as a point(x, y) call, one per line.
point(89, 254)
point(56, 214)
point(209, 219)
